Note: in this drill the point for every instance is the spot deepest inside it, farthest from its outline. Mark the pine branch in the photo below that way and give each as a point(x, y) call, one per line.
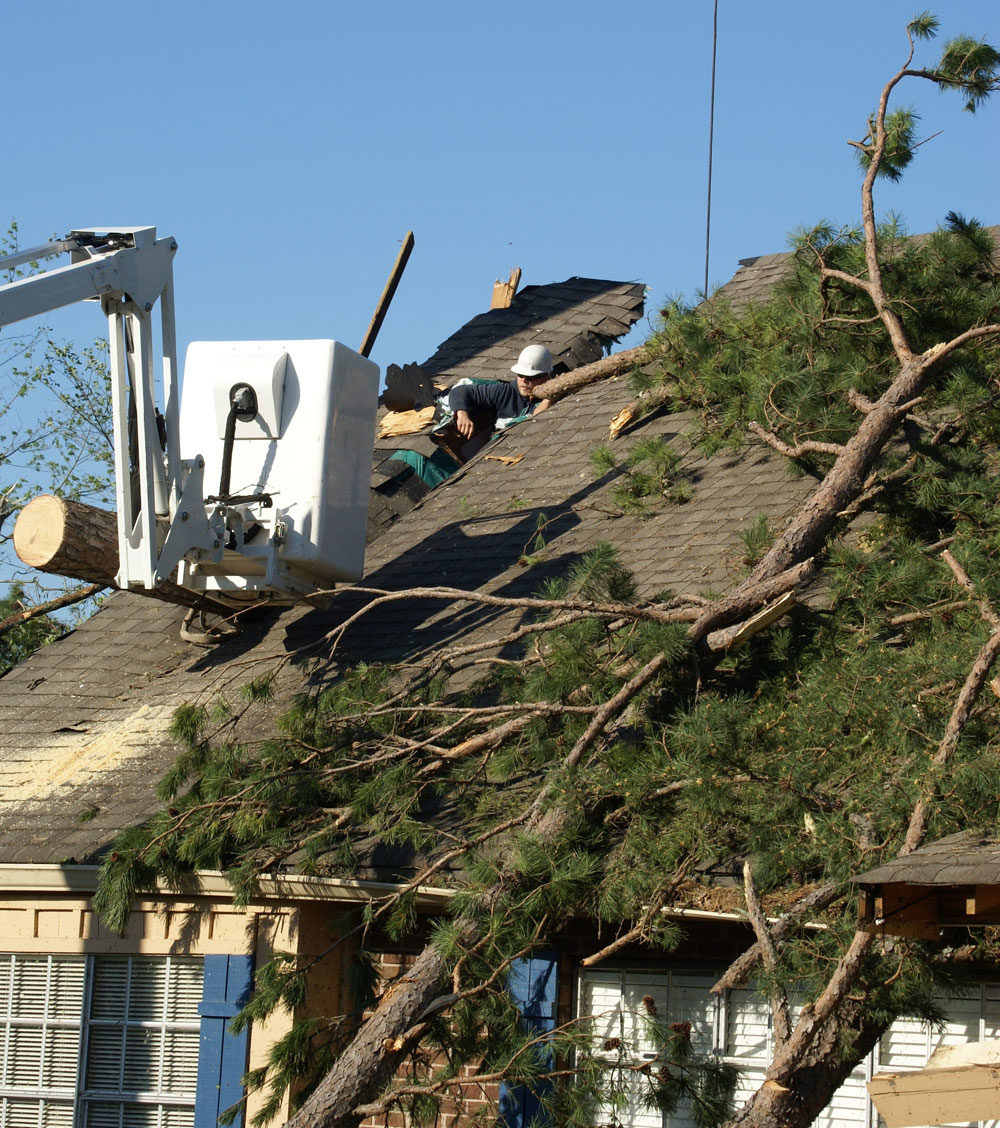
point(797, 451)
point(769, 956)
point(381, 597)
point(67, 600)
point(807, 907)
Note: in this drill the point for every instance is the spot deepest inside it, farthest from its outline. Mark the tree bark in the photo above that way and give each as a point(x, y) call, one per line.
point(569, 382)
point(374, 1054)
point(815, 1059)
point(67, 538)
point(801, 1094)
point(808, 531)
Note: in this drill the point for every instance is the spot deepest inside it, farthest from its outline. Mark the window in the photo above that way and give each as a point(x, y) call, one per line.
point(99, 1041)
point(617, 1001)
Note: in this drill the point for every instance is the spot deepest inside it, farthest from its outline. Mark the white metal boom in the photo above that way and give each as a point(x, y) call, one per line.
point(129, 270)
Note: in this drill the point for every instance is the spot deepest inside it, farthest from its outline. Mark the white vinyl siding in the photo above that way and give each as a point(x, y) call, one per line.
point(98, 1041)
point(737, 1027)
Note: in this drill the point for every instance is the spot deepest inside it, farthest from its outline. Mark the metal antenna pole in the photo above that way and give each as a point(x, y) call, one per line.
point(711, 136)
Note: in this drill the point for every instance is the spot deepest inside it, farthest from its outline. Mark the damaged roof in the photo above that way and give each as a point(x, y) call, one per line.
point(577, 320)
point(84, 722)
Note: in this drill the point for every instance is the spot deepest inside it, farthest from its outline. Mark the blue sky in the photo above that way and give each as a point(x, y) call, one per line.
point(289, 147)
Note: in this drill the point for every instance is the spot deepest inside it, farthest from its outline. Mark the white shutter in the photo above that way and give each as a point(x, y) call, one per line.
point(141, 1116)
point(748, 1028)
point(638, 989)
point(600, 998)
point(849, 1106)
point(103, 1115)
point(21, 1113)
point(612, 998)
point(180, 1062)
point(691, 1001)
point(962, 1020)
point(141, 1068)
point(174, 1116)
point(140, 1037)
point(147, 991)
point(62, 1057)
point(29, 987)
point(109, 994)
point(104, 1058)
point(39, 1039)
point(66, 986)
point(24, 1060)
point(623, 1003)
point(57, 1114)
point(905, 1045)
point(185, 985)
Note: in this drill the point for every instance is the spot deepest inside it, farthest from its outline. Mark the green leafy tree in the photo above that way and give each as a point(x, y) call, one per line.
point(22, 632)
point(637, 741)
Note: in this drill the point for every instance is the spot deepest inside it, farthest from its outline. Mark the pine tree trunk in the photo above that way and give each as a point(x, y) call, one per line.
point(807, 532)
point(569, 382)
point(372, 1057)
point(799, 1096)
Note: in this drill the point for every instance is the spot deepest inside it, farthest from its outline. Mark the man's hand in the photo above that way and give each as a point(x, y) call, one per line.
point(463, 424)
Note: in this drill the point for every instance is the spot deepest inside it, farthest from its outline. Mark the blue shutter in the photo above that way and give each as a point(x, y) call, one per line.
point(532, 984)
point(222, 1055)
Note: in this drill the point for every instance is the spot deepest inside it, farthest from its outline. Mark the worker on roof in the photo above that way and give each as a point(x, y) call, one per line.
point(504, 400)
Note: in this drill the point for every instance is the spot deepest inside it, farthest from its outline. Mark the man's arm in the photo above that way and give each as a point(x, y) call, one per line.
point(464, 398)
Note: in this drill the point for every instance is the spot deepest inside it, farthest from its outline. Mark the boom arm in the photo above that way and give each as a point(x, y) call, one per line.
point(128, 270)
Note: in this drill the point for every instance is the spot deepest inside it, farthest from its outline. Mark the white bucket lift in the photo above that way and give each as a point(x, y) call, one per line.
point(295, 488)
point(256, 484)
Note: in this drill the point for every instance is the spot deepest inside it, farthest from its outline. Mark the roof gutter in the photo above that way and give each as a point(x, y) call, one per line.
point(82, 880)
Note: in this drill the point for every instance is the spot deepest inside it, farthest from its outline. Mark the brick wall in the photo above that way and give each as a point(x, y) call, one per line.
point(456, 1112)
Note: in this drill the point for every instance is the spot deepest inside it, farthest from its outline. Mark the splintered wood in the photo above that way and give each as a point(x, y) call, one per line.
point(503, 292)
point(395, 423)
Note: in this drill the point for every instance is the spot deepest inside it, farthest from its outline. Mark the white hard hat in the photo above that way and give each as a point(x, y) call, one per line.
point(535, 360)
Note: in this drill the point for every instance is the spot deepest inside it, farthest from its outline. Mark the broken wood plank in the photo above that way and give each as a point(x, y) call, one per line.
point(503, 292)
point(938, 1095)
point(395, 423)
point(390, 289)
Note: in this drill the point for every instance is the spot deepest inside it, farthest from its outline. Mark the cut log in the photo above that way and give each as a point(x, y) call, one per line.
point(67, 538)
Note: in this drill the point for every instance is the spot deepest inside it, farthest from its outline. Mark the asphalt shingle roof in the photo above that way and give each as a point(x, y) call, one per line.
point(971, 857)
point(84, 722)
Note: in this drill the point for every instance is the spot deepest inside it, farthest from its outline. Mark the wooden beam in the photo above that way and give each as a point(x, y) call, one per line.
point(982, 899)
point(387, 294)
